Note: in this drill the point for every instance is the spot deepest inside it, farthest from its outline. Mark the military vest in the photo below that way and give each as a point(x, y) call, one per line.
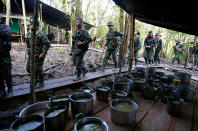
point(112, 39)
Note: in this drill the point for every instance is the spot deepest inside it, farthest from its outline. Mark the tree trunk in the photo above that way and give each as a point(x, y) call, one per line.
point(8, 9)
point(73, 25)
point(132, 27)
point(187, 54)
point(78, 12)
point(195, 38)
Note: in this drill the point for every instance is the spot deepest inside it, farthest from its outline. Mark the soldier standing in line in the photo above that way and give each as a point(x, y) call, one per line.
point(5, 61)
point(42, 45)
point(149, 45)
point(178, 50)
point(112, 43)
point(195, 52)
point(137, 45)
point(80, 44)
point(158, 48)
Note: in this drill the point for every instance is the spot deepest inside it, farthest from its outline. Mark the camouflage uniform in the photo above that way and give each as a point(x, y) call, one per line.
point(42, 46)
point(149, 52)
point(178, 50)
point(5, 60)
point(137, 47)
point(112, 46)
point(158, 50)
point(80, 50)
point(195, 52)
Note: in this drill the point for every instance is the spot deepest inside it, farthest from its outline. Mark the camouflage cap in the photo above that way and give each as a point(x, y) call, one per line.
point(157, 34)
point(110, 23)
point(32, 19)
point(150, 32)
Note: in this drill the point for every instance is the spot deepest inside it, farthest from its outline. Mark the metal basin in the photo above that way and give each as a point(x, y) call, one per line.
point(59, 100)
point(174, 106)
point(123, 84)
point(55, 118)
point(82, 102)
point(108, 83)
point(123, 117)
point(102, 93)
point(28, 123)
point(85, 124)
point(118, 94)
point(139, 84)
point(35, 109)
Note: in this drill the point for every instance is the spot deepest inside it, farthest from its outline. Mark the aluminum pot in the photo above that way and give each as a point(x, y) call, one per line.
point(123, 83)
point(59, 100)
point(140, 70)
point(150, 92)
point(39, 126)
point(78, 105)
point(108, 83)
point(35, 109)
point(187, 93)
point(102, 93)
point(90, 120)
point(123, 117)
point(139, 84)
point(150, 71)
point(184, 77)
point(118, 94)
point(174, 106)
point(56, 122)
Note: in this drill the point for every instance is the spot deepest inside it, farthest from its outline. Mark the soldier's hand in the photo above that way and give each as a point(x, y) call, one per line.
point(41, 56)
point(79, 43)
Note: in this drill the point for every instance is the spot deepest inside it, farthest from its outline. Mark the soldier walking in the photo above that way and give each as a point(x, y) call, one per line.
point(195, 52)
point(42, 45)
point(149, 45)
point(178, 50)
point(5, 61)
point(80, 44)
point(158, 48)
point(112, 43)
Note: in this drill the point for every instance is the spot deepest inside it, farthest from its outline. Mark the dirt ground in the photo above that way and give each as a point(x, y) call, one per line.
point(58, 63)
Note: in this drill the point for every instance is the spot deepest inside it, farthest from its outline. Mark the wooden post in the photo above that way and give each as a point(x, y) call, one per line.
point(20, 32)
point(132, 26)
point(24, 17)
point(8, 9)
point(58, 35)
point(32, 62)
point(187, 54)
point(41, 16)
point(195, 38)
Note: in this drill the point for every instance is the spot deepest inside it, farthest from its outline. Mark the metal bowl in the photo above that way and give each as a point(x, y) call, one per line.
point(89, 120)
point(35, 109)
point(123, 117)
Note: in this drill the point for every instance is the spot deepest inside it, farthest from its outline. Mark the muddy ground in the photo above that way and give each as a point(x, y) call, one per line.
point(58, 63)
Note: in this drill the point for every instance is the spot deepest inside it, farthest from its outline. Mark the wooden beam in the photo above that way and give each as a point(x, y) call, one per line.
point(32, 62)
point(41, 16)
point(20, 32)
point(24, 17)
point(132, 26)
point(8, 9)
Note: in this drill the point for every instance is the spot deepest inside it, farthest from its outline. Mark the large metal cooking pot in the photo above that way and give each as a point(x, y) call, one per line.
point(59, 100)
point(174, 106)
point(118, 94)
point(140, 70)
point(35, 109)
point(123, 84)
point(56, 122)
point(28, 123)
point(123, 117)
point(150, 71)
point(80, 125)
point(78, 105)
point(187, 93)
point(150, 92)
point(139, 84)
point(184, 77)
point(108, 83)
point(102, 93)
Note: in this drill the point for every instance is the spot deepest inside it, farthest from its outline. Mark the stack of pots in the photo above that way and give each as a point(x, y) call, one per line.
point(184, 77)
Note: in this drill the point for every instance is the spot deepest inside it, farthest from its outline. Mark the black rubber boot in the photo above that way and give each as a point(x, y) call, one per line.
point(78, 74)
point(41, 81)
point(146, 61)
point(2, 89)
point(84, 70)
point(9, 85)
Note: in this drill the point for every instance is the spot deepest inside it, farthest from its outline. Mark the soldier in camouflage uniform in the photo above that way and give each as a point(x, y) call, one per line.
point(112, 43)
point(137, 45)
point(195, 52)
point(178, 50)
point(5, 60)
point(80, 43)
point(41, 47)
point(158, 48)
point(149, 45)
